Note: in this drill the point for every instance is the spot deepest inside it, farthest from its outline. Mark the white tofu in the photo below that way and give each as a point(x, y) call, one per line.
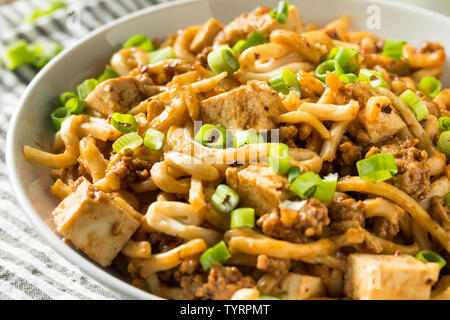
point(384, 126)
point(388, 277)
point(301, 287)
point(94, 223)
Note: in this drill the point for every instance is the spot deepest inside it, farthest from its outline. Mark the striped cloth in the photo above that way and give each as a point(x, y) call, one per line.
point(29, 268)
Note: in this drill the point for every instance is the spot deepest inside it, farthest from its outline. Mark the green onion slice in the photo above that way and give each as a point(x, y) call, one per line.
point(348, 78)
point(254, 39)
point(242, 218)
point(58, 116)
point(447, 199)
point(223, 59)
point(393, 48)
point(66, 96)
point(332, 54)
point(444, 143)
point(224, 198)
point(430, 86)
point(374, 78)
point(129, 141)
point(17, 54)
point(242, 138)
point(154, 139)
point(211, 136)
point(37, 13)
point(330, 65)
point(444, 123)
point(281, 12)
point(75, 105)
point(429, 256)
point(325, 190)
point(125, 123)
point(415, 104)
point(348, 59)
point(218, 253)
point(305, 185)
point(109, 73)
point(140, 41)
point(279, 158)
point(45, 51)
point(293, 173)
point(379, 167)
point(86, 87)
point(284, 81)
point(161, 54)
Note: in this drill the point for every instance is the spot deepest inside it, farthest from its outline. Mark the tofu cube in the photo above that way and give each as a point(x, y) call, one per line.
point(301, 287)
point(205, 36)
point(94, 223)
point(384, 126)
point(388, 277)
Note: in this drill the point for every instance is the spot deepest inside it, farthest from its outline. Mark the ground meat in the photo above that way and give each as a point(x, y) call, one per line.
point(348, 152)
point(382, 227)
point(288, 135)
point(131, 170)
point(413, 173)
point(162, 242)
point(439, 212)
point(221, 284)
point(345, 212)
point(276, 266)
point(307, 222)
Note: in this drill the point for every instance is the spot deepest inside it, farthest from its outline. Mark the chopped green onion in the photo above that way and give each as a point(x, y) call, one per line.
point(129, 141)
point(211, 136)
point(305, 185)
point(58, 116)
point(348, 78)
point(140, 41)
point(447, 199)
point(86, 87)
point(109, 73)
point(293, 173)
point(374, 78)
point(161, 54)
point(279, 158)
point(415, 104)
point(242, 218)
point(332, 54)
point(346, 56)
point(125, 123)
point(241, 138)
point(429, 256)
point(75, 105)
point(254, 39)
point(66, 96)
point(430, 86)
point(325, 190)
point(17, 54)
point(284, 81)
point(224, 198)
point(37, 13)
point(281, 12)
point(45, 51)
point(154, 139)
point(444, 143)
point(393, 48)
point(218, 253)
point(444, 123)
point(330, 65)
point(379, 167)
point(267, 297)
point(223, 59)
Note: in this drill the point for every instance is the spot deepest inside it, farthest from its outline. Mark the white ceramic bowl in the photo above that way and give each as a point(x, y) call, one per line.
point(30, 123)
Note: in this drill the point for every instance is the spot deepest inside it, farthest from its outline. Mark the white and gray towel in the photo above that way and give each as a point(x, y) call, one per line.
point(29, 268)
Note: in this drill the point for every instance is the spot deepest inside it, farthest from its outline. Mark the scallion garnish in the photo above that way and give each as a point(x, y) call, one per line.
point(293, 173)
point(444, 123)
point(75, 105)
point(281, 12)
point(444, 143)
point(242, 138)
point(378, 167)
point(393, 48)
point(242, 218)
point(330, 65)
point(125, 123)
point(37, 13)
point(305, 184)
point(58, 116)
point(284, 81)
point(45, 51)
point(154, 139)
point(109, 73)
point(348, 59)
point(224, 198)
point(140, 41)
point(254, 39)
point(66, 96)
point(374, 78)
point(218, 253)
point(348, 78)
point(430, 86)
point(325, 190)
point(211, 136)
point(86, 87)
point(130, 141)
point(415, 104)
point(429, 256)
point(161, 54)
point(279, 158)
point(17, 54)
point(223, 59)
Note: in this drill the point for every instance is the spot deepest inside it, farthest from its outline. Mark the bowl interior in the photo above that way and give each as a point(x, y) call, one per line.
point(31, 126)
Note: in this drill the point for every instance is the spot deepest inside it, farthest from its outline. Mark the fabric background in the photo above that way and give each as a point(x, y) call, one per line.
point(29, 268)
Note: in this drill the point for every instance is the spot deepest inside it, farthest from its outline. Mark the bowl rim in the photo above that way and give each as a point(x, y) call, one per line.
point(91, 269)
